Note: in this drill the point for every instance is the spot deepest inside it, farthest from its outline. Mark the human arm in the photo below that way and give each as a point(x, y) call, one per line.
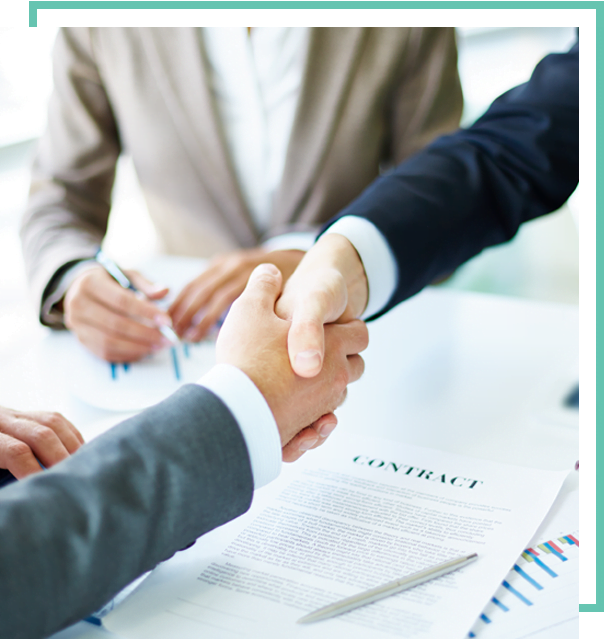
point(73, 170)
point(72, 537)
point(464, 192)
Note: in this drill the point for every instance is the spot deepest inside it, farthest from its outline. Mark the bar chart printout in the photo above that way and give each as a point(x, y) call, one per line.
point(130, 386)
point(540, 595)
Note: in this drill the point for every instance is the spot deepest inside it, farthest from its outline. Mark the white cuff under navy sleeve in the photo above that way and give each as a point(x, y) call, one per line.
point(377, 258)
point(254, 417)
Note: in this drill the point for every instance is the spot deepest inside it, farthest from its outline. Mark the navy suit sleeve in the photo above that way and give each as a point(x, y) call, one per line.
point(474, 188)
point(73, 536)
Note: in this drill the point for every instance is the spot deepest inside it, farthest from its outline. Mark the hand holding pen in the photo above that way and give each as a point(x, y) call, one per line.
point(117, 322)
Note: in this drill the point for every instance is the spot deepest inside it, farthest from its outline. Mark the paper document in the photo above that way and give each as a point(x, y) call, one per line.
point(352, 515)
point(540, 595)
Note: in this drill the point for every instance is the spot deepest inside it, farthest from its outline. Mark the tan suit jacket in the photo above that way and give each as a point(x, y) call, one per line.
point(370, 97)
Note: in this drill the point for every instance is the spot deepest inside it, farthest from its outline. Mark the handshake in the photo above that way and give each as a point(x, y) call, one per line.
point(298, 342)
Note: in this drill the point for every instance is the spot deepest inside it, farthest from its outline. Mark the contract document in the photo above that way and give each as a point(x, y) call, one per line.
point(352, 515)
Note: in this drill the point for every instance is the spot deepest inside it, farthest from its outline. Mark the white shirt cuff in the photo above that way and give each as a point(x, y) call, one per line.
point(376, 255)
point(301, 240)
point(254, 417)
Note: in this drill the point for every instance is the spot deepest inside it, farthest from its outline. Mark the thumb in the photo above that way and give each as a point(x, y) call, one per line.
point(306, 339)
point(263, 286)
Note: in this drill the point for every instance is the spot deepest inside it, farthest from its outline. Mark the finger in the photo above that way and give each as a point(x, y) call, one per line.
point(110, 348)
point(70, 437)
point(124, 302)
point(263, 288)
point(306, 339)
point(196, 295)
point(42, 440)
point(352, 336)
point(17, 457)
point(309, 438)
point(117, 326)
point(152, 290)
point(216, 308)
point(356, 368)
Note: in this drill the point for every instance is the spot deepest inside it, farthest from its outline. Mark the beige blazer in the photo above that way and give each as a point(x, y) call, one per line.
point(370, 97)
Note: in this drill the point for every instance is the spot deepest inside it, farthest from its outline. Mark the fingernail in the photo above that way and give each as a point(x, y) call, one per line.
point(163, 321)
point(166, 343)
point(266, 267)
point(326, 429)
point(308, 361)
point(190, 335)
point(305, 445)
point(158, 287)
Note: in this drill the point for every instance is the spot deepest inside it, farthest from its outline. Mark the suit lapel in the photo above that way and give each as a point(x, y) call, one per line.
point(179, 63)
point(332, 57)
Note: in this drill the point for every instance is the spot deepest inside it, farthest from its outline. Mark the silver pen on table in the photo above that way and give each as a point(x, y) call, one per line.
point(388, 589)
point(121, 278)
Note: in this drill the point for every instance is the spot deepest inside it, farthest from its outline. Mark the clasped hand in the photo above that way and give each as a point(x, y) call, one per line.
point(254, 339)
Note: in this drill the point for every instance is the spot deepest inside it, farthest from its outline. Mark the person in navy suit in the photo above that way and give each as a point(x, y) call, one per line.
point(463, 193)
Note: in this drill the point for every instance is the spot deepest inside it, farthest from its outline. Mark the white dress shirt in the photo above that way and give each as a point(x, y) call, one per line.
point(256, 80)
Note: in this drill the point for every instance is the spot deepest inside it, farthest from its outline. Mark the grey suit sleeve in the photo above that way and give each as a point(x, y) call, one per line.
point(73, 536)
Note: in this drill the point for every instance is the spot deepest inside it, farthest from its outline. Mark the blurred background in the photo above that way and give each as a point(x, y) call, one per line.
point(541, 263)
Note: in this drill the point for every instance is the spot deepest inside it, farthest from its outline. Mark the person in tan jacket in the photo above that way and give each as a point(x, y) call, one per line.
point(244, 141)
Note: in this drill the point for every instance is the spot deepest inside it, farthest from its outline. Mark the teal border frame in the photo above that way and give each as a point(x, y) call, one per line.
point(163, 14)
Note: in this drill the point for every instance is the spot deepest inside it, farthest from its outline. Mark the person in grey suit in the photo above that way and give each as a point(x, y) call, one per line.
point(74, 535)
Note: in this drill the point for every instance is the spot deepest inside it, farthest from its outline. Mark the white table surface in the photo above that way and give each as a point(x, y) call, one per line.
point(468, 373)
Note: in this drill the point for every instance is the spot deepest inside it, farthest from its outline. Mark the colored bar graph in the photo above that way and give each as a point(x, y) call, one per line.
point(113, 370)
point(543, 548)
point(175, 363)
point(564, 541)
point(499, 604)
point(543, 566)
point(511, 589)
point(554, 546)
point(126, 366)
point(532, 551)
point(528, 578)
point(557, 553)
point(484, 618)
point(573, 539)
point(471, 635)
point(185, 349)
point(527, 556)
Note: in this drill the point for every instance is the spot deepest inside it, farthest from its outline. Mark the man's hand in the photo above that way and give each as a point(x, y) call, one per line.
point(27, 435)
point(254, 339)
point(328, 286)
point(202, 303)
point(115, 323)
